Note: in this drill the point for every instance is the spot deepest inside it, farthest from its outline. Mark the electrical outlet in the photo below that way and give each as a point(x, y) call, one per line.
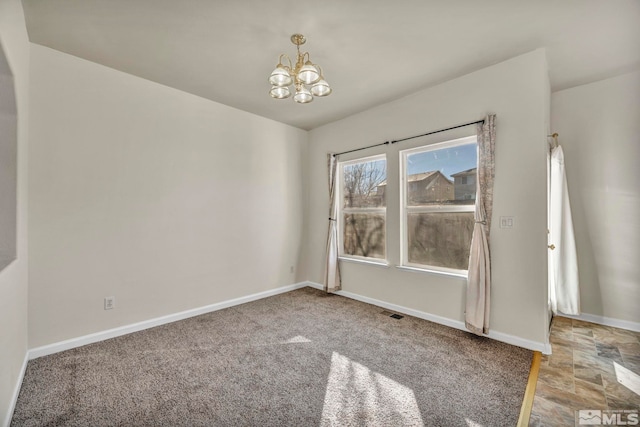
point(109, 303)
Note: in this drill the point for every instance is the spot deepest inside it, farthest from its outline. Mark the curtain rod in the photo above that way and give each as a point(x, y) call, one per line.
point(409, 137)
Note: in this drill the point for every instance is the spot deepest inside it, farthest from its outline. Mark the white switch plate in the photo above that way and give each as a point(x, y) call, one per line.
point(109, 303)
point(506, 222)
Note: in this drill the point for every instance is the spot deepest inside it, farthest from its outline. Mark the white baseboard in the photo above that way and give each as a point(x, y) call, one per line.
point(16, 391)
point(606, 321)
point(315, 285)
point(146, 324)
point(135, 327)
point(457, 324)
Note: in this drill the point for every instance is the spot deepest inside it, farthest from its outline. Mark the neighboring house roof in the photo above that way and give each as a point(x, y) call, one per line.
point(420, 177)
point(465, 173)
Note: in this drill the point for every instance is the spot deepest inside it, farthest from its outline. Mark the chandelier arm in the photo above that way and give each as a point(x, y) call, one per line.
point(284, 55)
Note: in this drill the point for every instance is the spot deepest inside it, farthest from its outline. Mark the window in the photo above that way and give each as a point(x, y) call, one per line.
point(438, 194)
point(363, 208)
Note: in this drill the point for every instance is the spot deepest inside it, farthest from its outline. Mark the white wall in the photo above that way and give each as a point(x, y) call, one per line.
point(13, 279)
point(165, 200)
point(599, 127)
point(516, 90)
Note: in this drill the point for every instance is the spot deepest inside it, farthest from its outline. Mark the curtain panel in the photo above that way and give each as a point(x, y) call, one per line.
point(564, 290)
point(478, 301)
point(332, 281)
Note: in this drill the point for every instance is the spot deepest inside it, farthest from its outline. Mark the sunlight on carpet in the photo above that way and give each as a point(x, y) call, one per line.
point(356, 394)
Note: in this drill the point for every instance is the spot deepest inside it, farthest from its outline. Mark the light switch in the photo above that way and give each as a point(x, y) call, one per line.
point(506, 222)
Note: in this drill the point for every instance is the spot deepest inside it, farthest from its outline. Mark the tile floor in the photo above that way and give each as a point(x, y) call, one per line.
point(581, 374)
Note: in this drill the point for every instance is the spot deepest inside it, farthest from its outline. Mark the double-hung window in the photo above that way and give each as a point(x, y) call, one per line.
point(363, 208)
point(438, 192)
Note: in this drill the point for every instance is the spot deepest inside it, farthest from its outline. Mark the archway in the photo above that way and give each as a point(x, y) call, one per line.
point(8, 163)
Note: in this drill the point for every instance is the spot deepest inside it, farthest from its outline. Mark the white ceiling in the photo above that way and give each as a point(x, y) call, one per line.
point(371, 51)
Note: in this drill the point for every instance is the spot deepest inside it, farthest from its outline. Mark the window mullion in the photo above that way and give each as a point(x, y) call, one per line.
point(439, 209)
point(364, 210)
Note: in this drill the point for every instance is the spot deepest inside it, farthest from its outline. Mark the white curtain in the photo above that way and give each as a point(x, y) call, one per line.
point(479, 277)
point(332, 280)
point(564, 292)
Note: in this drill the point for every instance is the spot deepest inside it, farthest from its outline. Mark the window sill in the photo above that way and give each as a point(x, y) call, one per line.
point(364, 261)
point(428, 271)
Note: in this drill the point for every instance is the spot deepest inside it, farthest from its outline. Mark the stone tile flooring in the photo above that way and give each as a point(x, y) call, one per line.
point(581, 372)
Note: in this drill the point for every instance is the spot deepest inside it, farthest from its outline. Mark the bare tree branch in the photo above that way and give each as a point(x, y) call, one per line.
point(364, 232)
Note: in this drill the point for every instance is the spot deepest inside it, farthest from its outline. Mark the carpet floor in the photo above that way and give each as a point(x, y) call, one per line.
point(303, 358)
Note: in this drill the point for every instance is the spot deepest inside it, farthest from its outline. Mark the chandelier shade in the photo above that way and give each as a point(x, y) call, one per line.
point(280, 77)
point(302, 96)
point(321, 88)
point(280, 92)
point(305, 76)
point(308, 74)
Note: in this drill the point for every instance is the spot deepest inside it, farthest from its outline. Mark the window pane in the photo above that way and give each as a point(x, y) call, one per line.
point(364, 235)
point(445, 176)
point(365, 184)
point(440, 239)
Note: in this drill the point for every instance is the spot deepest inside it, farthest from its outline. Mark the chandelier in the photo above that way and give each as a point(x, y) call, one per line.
point(306, 77)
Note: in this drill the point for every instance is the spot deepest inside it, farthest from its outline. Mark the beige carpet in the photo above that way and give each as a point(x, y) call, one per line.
point(297, 359)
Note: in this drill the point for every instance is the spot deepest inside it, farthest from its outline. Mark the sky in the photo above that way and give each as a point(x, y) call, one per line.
point(447, 160)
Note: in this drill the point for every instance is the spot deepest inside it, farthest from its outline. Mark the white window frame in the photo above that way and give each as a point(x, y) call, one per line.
point(342, 211)
point(405, 210)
